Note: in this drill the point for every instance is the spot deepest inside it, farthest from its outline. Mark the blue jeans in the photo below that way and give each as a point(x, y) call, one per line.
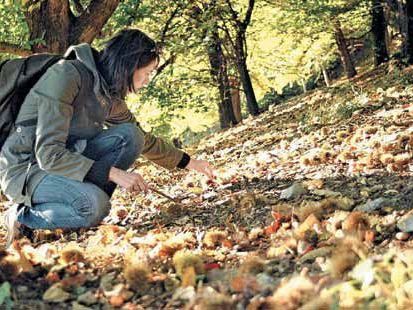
point(59, 202)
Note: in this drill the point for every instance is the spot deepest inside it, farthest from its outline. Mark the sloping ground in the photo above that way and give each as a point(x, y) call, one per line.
point(310, 209)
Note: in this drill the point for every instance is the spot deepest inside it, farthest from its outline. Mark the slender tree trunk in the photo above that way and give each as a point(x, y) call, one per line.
point(403, 26)
point(409, 47)
point(241, 59)
point(389, 30)
point(344, 53)
point(220, 76)
point(404, 17)
point(378, 26)
point(326, 76)
point(235, 98)
point(218, 66)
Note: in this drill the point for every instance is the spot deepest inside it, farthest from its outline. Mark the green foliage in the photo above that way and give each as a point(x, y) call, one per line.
point(174, 102)
point(272, 97)
point(13, 27)
point(299, 40)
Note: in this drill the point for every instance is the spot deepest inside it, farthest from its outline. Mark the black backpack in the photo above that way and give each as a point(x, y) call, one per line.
point(17, 77)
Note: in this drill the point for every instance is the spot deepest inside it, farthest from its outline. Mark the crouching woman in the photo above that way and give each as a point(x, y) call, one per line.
point(75, 138)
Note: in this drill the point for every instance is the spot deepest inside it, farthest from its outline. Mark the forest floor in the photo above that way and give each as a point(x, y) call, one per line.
point(310, 210)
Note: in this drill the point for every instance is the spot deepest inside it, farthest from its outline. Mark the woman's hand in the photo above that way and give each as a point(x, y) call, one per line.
point(201, 166)
point(131, 181)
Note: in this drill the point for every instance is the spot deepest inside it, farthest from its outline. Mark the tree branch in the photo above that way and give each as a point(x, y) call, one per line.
point(248, 15)
point(227, 32)
point(233, 12)
point(89, 24)
point(229, 53)
point(14, 49)
point(162, 67)
point(167, 25)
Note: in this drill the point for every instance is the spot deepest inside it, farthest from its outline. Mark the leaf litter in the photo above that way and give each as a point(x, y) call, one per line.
point(304, 214)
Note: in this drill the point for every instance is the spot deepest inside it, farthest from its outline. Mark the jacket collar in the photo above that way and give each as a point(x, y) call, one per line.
point(83, 53)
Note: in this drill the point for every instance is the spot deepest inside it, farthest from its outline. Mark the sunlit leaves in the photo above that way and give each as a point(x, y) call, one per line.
point(13, 28)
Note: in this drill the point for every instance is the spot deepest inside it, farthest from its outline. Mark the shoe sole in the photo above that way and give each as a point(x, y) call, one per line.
point(11, 227)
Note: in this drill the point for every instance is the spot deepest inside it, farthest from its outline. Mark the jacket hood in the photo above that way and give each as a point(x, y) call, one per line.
point(83, 52)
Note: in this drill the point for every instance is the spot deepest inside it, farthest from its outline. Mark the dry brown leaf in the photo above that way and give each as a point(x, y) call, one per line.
point(215, 301)
point(356, 223)
point(215, 238)
point(136, 274)
point(347, 254)
point(252, 265)
point(294, 293)
point(184, 259)
point(116, 301)
point(189, 277)
point(244, 283)
point(307, 225)
point(314, 184)
point(71, 253)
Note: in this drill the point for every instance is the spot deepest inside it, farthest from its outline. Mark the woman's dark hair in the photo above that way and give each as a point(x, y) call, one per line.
point(127, 51)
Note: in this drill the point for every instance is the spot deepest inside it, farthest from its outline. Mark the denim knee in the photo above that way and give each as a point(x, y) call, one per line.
point(133, 139)
point(93, 206)
point(101, 202)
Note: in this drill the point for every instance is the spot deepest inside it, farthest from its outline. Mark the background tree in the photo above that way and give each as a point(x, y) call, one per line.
point(235, 28)
point(401, 11)
point(379, 27)
point(204, 17)
point(327, 16)
point(343, 49)
point(220, 75)
point(409, 39)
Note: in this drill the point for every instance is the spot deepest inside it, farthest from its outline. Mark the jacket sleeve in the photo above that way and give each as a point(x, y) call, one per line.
point(155, 149)
point(54, 94)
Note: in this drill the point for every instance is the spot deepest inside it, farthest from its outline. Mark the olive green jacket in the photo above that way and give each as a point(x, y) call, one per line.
point(70, 102)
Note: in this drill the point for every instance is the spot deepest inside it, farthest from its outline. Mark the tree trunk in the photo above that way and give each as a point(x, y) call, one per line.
point(49, 21)
point(88, 25)
point(241, 59)
point(220, 77)
point(403, 25)
point(235, 98)
point(53, 22)
point(326, 76)
point(378, 27)
point(344, 53)
point(409, 44)
point(389, 30)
